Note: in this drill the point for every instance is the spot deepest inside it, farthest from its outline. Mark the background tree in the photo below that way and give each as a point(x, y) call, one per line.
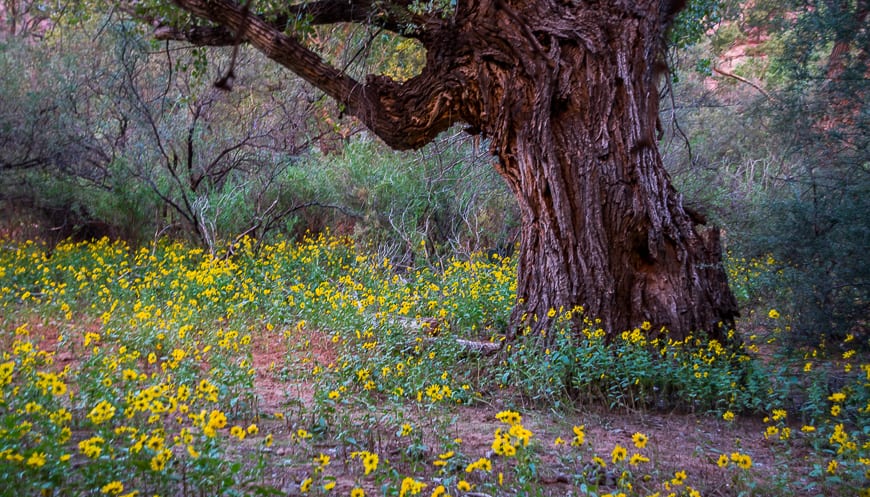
point(775, 108)
point(567, 95)
point(816, 222)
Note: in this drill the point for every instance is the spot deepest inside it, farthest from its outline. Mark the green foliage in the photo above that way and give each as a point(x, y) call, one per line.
point(445, 199)
point(781, 162)
point(695, 20)
point(821, 230)
point(816, 216)
point(637, 372)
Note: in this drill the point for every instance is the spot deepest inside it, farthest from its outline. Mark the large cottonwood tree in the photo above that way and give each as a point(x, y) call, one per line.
point(566, 93)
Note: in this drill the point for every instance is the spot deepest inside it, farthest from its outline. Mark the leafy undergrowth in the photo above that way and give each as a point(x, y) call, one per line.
point(312, 369)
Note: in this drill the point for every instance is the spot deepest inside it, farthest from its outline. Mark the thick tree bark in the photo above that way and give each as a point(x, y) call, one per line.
point(567, 93)
point(574, 129)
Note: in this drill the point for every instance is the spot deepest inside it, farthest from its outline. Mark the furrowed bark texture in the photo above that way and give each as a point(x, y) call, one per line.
point(567, 93)
point(574, 128)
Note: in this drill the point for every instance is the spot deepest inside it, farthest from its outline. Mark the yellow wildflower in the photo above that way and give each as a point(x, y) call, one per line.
point(305, 485)
point(579, 435)
point(37, 459)
point(112, 488)
point(102, 412)
point(238, 432)
point(639, 440)
point(619, 453)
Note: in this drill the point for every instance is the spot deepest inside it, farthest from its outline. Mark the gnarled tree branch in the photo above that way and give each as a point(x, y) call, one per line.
point(405, 115)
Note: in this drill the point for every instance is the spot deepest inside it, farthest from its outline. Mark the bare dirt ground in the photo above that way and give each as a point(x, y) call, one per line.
point(677, 441)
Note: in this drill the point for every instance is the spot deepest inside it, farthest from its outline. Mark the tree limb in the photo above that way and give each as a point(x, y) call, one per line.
point(744, 80)
point(405, 116)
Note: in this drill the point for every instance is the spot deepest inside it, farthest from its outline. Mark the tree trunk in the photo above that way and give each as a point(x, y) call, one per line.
point(567, 94)
point(608, 233)
point(602, 227)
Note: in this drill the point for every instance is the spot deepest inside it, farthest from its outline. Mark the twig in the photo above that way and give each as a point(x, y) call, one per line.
point(744, 80)
point(226, 82)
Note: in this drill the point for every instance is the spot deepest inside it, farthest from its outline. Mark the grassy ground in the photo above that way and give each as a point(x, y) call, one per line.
point(310, 368)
